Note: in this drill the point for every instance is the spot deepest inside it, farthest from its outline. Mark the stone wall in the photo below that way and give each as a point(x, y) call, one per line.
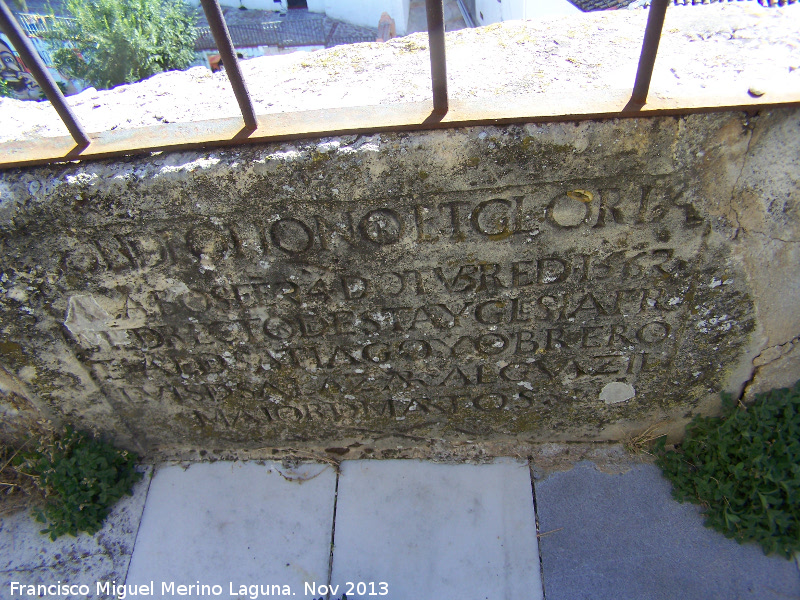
point(539, 282)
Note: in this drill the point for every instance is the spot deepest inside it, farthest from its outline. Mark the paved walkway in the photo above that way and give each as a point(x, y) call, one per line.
point(396, 529)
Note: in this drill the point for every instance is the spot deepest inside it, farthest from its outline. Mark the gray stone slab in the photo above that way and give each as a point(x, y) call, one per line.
point(29, 558)
point(548, 281)
point(621, 537)
point(432, 531)
point(233, 524)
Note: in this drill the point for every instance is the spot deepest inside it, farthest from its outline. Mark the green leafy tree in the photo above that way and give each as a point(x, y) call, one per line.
point(110, 42)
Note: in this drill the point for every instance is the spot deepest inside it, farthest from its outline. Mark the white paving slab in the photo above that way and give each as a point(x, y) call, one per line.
point(434, 532)
point(27, 557)
point(233, 524)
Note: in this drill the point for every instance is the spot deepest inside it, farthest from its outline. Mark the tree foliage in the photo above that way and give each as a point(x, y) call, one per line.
point(110, 42)
point(5, 90)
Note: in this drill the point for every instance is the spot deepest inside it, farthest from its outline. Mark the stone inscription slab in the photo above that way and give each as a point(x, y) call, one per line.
point(292, 303)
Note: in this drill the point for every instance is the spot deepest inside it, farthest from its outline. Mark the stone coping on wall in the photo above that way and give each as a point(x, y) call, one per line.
point(709, 56)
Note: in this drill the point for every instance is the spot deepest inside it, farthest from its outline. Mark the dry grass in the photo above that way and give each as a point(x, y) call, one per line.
point(641, 443)
point(18, 491)
point(541, 535)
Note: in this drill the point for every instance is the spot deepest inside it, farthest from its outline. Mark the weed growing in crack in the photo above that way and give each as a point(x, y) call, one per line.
point(81, 477)
point(744, 469)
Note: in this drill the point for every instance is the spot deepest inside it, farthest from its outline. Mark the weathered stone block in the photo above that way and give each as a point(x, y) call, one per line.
point(557, 281)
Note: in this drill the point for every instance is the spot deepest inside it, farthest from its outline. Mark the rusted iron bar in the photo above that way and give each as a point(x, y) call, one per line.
point(412, 116)
point(40, 73)
point(435, 14)
point(652, 36)
point(225, 46)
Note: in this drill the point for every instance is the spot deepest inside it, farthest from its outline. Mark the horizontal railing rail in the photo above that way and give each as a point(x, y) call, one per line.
point(304, 124)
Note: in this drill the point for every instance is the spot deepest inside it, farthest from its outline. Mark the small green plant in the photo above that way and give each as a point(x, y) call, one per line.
point(81, 478)
point(744, 469)
point(5, 90)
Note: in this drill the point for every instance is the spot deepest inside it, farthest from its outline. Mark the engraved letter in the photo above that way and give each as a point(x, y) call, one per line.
point(382, 226)
point(292, 236)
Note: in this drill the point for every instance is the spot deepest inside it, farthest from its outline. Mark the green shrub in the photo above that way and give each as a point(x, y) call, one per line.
point(121, 41)
point(744, 469)
point(81, 478)
point(5, 90)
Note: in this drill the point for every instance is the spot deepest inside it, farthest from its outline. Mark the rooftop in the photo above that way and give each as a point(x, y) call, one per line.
point(297, 28)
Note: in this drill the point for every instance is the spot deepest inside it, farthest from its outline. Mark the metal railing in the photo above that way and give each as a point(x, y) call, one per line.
point(225, 46)
point(28, 53)
point(284, 126)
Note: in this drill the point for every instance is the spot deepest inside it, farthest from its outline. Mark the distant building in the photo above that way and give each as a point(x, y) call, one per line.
point(485, 12)
point(16, 74)
point(364, 13)
point(276, 32)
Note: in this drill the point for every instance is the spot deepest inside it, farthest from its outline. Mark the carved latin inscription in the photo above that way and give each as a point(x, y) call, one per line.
point(488, 308)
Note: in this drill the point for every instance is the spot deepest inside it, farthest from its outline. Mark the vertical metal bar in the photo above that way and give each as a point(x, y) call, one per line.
point(34, 62)
point(652, 35)
point(436, 46)
point(225, 46)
